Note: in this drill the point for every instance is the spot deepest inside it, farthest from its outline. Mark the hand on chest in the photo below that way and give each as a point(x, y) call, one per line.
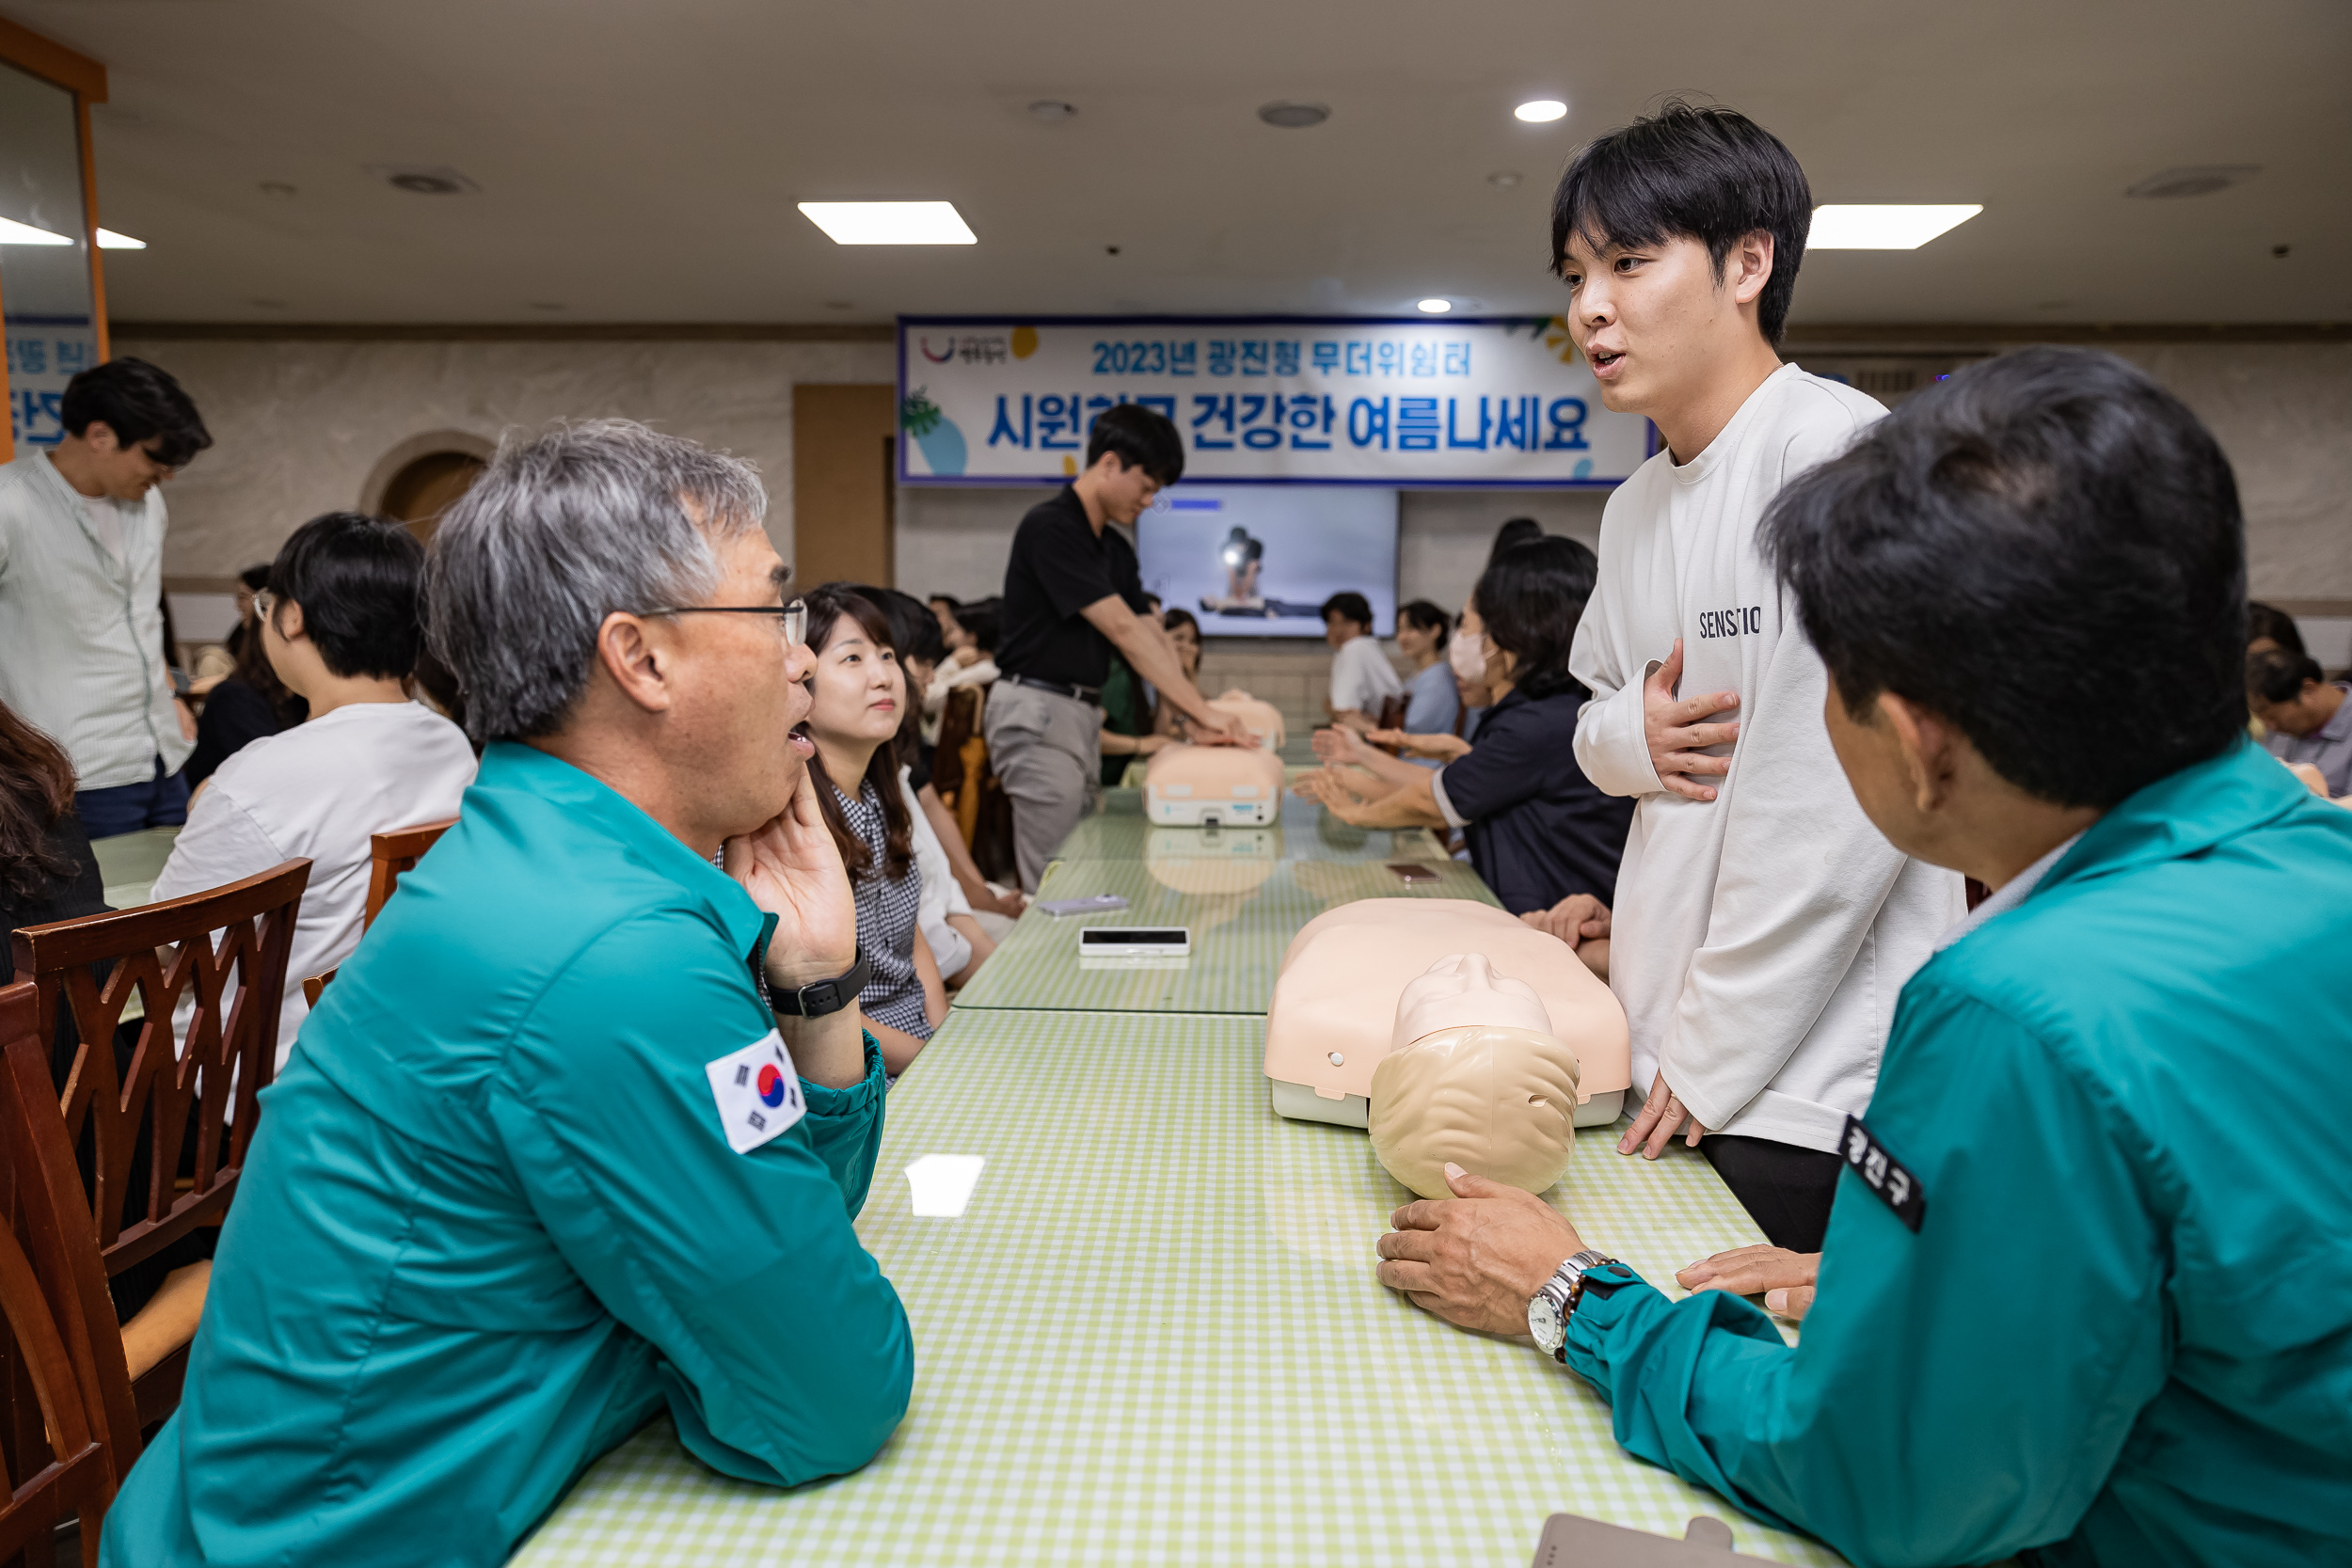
point(1718, 599)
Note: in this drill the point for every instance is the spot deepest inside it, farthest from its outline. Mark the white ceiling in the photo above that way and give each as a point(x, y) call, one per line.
point(639, 162)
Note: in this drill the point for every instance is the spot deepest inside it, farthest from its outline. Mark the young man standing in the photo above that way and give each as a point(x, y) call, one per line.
point(1361, 676)
point(1762, 926)
point(81, 593)
point(1072, 595)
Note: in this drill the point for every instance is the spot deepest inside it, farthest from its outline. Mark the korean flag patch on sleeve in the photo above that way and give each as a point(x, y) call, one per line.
point(758, 1091)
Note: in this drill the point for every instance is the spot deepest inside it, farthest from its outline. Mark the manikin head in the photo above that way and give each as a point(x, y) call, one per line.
point(1475, 1075)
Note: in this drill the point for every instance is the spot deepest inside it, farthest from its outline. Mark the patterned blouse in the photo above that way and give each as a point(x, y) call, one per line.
point(886, 914)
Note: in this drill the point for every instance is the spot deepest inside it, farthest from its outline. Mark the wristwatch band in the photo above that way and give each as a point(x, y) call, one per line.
point(824, 996)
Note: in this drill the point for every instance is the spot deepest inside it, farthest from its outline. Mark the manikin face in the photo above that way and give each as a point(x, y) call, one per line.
point(1463, 988)
point(1653, 322)
point(858, 690)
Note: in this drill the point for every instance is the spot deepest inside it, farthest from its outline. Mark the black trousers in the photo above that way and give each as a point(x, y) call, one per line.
point(1785, 1189)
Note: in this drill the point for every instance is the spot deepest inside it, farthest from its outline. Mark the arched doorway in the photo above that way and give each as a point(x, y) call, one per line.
point(422, 491)
point(418, 480)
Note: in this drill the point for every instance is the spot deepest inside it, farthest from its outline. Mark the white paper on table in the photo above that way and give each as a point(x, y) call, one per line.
point(942, 1183)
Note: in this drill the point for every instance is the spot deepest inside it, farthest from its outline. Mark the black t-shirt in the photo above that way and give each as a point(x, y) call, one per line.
point(1060, 565)
point(235, 716)
point(1539, 830)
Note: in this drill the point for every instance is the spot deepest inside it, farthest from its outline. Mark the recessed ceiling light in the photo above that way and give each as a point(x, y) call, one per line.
point(1541, 111)
point(13, 232)
point(890, 222)
point(1435, 307)
point(1883, 227)
point(2195, 180)
point(1294, 116)
point(1051, 110)
point(1503, 178)
point(109, 239)
point(423, 178)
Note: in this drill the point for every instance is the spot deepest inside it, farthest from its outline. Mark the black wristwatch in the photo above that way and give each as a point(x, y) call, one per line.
point(824, 996)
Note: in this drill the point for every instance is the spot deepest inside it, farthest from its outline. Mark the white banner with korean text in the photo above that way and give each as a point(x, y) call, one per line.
point(1420, 401)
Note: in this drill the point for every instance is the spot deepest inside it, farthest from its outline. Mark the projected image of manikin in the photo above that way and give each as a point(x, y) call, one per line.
point(1243, 557)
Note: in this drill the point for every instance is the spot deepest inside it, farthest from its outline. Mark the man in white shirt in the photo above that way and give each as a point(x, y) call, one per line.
point(1762, 927)
point(82, 652)
point(339, 623)
point(1361, 676)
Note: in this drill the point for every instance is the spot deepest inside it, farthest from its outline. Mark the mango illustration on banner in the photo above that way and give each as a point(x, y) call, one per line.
point(935, 435)
point(1024, 341)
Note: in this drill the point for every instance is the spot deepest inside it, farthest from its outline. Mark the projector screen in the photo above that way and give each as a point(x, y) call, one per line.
point(1259, 560)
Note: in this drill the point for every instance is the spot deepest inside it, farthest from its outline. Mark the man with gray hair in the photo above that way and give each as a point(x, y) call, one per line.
point(578, 1131)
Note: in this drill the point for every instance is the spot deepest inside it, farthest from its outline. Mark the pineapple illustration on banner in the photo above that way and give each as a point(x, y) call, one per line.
point(935, 435)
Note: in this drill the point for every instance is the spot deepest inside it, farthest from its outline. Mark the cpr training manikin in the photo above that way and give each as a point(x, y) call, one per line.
point(1473, 1075)
point(1185, 786)
point(1451, 1031)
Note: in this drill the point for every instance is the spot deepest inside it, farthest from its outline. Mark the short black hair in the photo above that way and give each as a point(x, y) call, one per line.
point(2277, 674)
point(1530, 597)
point(1175, 618)
point(1518, 531)
point(914, 630)
point(981, 622)
point(2270, 621)
point(1710, 173)
point(2047, 551)
point(1349, 606)
point(1142, 438)
point(139, 402)
point(1425, 616)
point(255, 577)
point(356, 579)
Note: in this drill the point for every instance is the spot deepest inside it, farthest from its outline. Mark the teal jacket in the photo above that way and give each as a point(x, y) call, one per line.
point(491, 1221)
point(2122, 1332)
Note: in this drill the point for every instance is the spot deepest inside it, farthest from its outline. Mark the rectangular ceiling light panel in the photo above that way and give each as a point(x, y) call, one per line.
point(109, 239)
point(890, 222)
point(1882, 228)
point(13, 232)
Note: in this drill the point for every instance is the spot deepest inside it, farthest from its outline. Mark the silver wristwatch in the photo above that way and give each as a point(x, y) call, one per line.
point(1548, 1309)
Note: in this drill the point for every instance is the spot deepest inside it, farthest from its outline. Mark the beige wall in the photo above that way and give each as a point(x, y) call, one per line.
point(301, 426)
point(298, 427)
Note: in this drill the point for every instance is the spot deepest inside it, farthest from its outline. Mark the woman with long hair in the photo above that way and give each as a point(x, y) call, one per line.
point(859, 695)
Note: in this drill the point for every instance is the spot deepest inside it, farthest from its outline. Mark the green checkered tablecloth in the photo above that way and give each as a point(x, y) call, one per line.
point(1242, 910)
point(1306, 832)
point(128, 865)
point(1154, 1338)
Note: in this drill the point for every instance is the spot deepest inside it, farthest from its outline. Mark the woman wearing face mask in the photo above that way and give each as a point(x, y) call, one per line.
point(860, 695)
point(1540, 831)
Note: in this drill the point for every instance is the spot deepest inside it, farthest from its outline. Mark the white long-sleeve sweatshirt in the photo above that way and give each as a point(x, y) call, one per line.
point(1760, 938)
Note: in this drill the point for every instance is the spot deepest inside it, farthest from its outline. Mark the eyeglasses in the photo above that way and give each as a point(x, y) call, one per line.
point(792, 617)
point(264, 603)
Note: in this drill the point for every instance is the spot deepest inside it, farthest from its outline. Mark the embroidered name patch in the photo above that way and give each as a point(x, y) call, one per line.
point(758, 1091)
point(1884, 1175)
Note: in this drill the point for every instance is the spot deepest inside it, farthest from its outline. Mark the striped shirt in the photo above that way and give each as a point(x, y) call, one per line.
point(82, 627)
point(887, 910)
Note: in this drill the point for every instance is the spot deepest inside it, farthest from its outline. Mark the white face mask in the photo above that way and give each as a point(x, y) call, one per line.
point(1466, 654)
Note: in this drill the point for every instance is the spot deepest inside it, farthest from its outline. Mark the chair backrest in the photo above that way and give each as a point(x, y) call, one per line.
point(64, 1390)
point(391, 855)
point(168, 1090)
point(958, 722)
point(1391, 715)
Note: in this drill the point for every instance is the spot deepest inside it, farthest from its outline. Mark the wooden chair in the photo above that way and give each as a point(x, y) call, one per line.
point(960, 756)
point(169, 1091)
point(390, 855)
point(65, 1394)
